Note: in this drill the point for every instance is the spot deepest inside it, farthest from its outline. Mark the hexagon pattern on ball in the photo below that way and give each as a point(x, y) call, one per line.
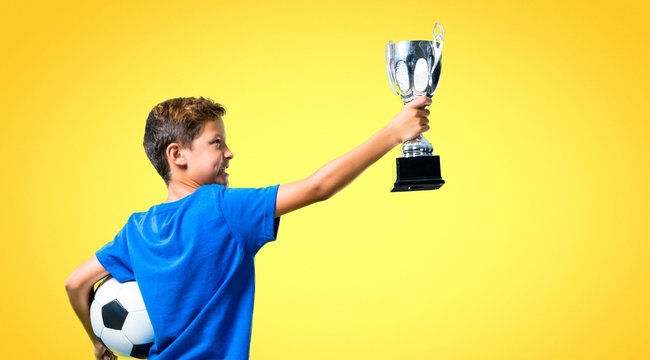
point(120, 320)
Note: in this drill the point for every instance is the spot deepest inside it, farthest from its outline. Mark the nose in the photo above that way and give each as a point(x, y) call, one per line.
point(228, 154)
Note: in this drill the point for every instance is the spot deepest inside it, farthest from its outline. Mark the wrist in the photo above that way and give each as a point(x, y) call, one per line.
point(391, 135)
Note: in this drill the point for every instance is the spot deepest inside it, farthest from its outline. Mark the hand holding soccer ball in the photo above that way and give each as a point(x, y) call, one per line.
point(102, 353)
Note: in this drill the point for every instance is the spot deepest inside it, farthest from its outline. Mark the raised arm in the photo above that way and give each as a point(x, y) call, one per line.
point(337, 174)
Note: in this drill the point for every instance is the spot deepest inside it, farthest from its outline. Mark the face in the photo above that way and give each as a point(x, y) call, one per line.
point(209, 156)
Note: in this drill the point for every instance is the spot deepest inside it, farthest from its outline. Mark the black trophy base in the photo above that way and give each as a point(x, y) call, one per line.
point(418, 173)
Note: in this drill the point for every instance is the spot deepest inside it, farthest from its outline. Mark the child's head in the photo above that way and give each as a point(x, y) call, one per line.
point(187, 135)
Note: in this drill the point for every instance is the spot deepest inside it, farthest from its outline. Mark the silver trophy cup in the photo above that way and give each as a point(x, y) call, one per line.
point(413, 69)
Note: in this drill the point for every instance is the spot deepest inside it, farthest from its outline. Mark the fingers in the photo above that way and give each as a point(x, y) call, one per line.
point(424, 120)
point(419, 102)
point(109, 355)
point(423, 113)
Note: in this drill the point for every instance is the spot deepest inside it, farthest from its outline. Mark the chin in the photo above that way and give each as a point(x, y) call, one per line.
point(221, 182)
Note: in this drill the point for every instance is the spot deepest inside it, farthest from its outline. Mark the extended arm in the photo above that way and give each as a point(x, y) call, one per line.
point(79, 287)
point(337, 174)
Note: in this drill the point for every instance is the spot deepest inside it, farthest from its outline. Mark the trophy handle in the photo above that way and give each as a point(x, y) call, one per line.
point(438, 39)
point(390, 52)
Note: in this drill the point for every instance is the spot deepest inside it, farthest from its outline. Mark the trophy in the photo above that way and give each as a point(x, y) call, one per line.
point(413, 69)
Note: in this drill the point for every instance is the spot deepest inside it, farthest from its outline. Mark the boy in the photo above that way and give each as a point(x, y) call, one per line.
point(193, 255)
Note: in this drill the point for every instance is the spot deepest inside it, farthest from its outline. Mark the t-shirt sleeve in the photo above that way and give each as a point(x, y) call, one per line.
point(250, 214)
point(115, 258)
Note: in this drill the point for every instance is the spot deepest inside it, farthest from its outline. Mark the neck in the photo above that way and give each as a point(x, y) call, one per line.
point(178, 189)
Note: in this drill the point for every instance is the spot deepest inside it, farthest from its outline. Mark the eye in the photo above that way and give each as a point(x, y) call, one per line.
point(217, 142)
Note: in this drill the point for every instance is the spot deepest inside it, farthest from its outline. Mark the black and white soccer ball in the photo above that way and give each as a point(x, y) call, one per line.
point(120, 319)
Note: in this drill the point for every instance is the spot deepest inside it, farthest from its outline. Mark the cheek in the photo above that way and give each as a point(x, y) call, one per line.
point(218, 158)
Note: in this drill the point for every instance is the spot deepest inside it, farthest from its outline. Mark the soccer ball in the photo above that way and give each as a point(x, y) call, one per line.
point(120, 320)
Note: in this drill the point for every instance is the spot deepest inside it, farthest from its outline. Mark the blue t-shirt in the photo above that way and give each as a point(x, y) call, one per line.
point(193, 260)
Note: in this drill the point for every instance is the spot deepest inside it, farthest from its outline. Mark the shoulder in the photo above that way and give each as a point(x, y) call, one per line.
point(235, 192)
point(136, 217)
point(210, 189)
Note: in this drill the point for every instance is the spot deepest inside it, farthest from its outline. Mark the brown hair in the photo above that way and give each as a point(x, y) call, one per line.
point(176, 120)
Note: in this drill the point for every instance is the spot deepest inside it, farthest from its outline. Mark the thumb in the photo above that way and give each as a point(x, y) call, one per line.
point(419, 102)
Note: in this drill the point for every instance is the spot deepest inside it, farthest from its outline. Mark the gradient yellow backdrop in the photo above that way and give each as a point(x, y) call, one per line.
point(535, 248)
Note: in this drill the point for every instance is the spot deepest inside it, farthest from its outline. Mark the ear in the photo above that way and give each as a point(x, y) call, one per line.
point(175, 155)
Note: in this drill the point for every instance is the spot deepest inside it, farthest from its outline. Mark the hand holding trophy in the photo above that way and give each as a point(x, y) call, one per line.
point(413, 69)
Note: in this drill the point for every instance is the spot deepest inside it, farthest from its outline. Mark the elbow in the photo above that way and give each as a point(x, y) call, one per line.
point(321, 191)
point(321, 195)
point(72, 284)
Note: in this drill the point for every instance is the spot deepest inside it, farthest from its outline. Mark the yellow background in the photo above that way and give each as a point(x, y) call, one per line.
point(535, 248)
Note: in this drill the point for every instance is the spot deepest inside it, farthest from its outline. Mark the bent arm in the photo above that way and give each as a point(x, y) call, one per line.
point(337, 174)
point(79, 287)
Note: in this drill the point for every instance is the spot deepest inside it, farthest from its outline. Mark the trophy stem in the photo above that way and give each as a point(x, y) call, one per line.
point(417, 147)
